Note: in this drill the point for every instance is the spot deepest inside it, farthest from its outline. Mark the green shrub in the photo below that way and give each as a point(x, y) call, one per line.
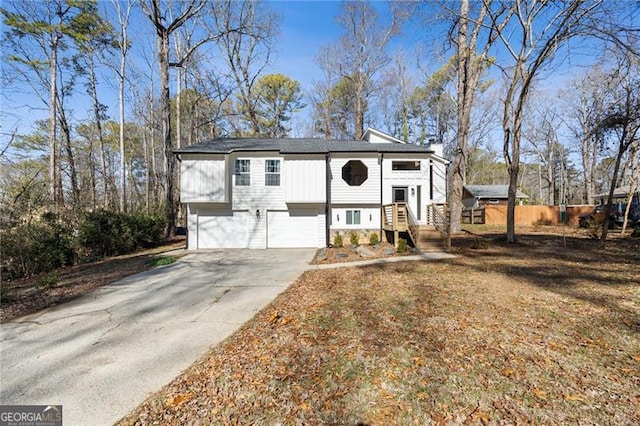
point(402, 245)
point(337, 240)
point(480, 244)
point(37, 247)
point(374, 239)
point(354, 239)
point(163, 260)
point(105, 233)
point(49, 280)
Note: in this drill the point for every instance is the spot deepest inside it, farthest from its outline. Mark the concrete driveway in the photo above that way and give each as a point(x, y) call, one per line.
point(102, 354)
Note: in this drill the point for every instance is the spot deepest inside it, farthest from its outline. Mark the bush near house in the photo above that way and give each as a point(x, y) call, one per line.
point(337, 241)
point(49, 242)
point(374, 239)
point(105, 233)
point(354, 239)
point(36, 247)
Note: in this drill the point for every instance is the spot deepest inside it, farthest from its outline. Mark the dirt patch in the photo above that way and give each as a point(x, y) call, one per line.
point(29, 295)
point(509, 334)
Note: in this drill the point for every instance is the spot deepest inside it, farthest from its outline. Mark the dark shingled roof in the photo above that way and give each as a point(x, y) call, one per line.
point(297, 146)
point(492, 191)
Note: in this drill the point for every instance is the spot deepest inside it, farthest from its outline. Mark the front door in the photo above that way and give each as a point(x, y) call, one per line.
point(400, 194)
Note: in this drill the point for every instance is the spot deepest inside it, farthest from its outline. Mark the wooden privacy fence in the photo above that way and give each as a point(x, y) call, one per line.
point(535, 215)
point(473, 216)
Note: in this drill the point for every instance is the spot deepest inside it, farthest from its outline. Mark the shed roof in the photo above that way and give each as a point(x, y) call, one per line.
point(492, 191)
point(298, 146)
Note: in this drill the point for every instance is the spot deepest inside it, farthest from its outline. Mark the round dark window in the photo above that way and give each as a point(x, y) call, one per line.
point(355, 173)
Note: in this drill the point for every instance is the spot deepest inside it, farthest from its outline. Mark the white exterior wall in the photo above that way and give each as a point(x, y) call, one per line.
point(304, 179)
point(414, 180)
point(367, 193)
point(369, 217)
point(203, 179)
point(256, 196)
point(439, 181)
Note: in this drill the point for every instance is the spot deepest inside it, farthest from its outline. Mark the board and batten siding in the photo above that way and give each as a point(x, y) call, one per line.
point(305, 179)
point(343, 193)
point(257, 196)
point(203, 179)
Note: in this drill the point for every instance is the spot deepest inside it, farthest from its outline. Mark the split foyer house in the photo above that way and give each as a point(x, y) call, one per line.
point(281, 193)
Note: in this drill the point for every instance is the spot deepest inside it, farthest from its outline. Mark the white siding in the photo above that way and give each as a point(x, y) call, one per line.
point(415, 181)
point(305, 179)
point(203, 179)
point(367, 193)
point(369, 217)
point(257, 196)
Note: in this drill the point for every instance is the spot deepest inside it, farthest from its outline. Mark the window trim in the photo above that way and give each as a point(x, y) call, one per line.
point(272, 174)
point(351, 217)
point(242, 173)
point(348, 173)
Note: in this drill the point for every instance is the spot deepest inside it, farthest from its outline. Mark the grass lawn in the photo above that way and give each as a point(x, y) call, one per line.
point(525, 333)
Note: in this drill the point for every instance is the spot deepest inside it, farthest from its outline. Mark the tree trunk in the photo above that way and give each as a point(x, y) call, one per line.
point(73, 174)
point(465, 100)
point(98, 122)
point(123, 174)
point(53, 89)
point(165, 108)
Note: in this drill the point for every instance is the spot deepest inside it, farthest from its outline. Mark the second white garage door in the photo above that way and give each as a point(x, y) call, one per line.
point(292, 229)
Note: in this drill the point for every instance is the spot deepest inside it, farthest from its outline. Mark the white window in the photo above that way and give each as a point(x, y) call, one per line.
point(405, 165)
point(353, 217)
point(272, 172)
point(243, 172)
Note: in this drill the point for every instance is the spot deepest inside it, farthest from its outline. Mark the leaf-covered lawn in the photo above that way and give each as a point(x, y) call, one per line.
point(513, 334)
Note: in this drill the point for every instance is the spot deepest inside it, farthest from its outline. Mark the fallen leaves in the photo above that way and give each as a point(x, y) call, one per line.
point(498, 339)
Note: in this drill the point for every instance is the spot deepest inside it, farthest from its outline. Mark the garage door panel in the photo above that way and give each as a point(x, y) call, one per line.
point(287, 229)
point(223, 230)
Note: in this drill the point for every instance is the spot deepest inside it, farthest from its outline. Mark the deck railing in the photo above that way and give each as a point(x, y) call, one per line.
point(398, 217)
point(437, 216)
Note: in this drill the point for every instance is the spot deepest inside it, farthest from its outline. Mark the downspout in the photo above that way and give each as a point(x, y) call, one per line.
point(381, 188)
point(327, 204)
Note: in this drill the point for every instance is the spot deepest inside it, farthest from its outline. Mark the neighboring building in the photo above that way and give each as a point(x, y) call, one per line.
point(476, 196)
point(260, 193)
point(620, 195)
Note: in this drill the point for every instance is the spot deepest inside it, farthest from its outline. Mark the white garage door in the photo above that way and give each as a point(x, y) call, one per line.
point(223, 230)
point(287, 229)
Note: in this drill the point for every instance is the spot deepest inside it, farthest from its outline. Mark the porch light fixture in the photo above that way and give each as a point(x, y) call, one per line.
point(258, 213)
point(337, 218)
point(413, 192)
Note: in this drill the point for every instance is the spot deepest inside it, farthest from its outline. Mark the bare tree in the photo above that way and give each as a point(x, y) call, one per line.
point(123, 42)
point(472, 61)
point(622, 120)
point(362, 52)
point(157, 14)
point(246, 33)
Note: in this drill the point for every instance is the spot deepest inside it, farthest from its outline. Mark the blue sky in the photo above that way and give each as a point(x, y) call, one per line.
point(305, 26)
